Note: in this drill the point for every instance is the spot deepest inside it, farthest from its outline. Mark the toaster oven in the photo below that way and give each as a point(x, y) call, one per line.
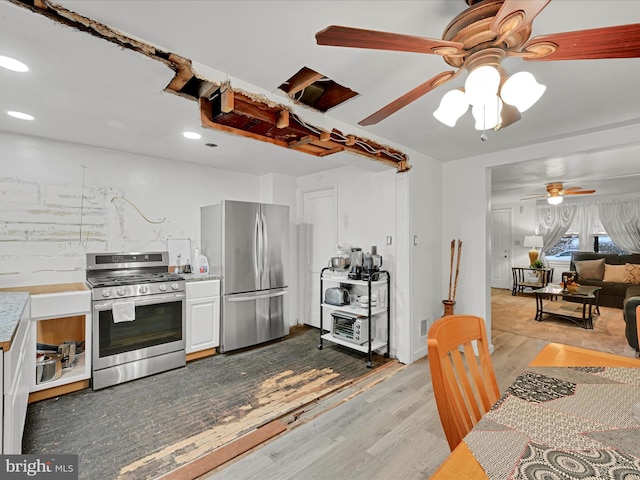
point(350, 327)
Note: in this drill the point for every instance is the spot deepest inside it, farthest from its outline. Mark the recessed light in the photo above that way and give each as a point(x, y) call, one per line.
point(20, 115)
point(13, 64)
point(192, 135)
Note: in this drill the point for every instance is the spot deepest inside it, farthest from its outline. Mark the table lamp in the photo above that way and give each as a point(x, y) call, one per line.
point(533, 241)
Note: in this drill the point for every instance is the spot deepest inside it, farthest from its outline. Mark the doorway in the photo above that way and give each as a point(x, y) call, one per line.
point(318, 239)
point(501, 248)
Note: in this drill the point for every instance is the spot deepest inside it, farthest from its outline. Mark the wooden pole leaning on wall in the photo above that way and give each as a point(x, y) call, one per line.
point(453, 281)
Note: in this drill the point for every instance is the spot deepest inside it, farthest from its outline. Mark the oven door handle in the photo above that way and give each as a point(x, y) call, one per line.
point(150, 300)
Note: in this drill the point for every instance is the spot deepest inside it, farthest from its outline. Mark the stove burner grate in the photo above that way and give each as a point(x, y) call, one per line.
point(115, 280)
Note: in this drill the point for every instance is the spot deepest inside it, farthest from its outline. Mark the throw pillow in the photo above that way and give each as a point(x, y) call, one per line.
point(590, 269)
point(633, 273)
point(615, 273)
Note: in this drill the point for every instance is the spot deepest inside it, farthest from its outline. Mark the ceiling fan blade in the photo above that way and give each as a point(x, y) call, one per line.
point(581, 192)
point(531, 196)
point(358, 38)
point(408, 97)
point(572, 189)
point(621, 41)
point(518, 13)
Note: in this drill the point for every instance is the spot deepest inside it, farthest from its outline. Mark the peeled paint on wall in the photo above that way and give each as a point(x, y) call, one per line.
point(49, 227)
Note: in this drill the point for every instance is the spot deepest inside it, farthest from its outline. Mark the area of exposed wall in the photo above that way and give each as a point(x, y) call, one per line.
point(49, 220)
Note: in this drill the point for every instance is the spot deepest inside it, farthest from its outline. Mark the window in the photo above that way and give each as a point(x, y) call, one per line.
point(562, 250)
point(603, 244)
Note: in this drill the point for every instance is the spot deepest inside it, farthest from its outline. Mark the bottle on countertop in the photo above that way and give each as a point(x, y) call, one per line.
point(200, 263)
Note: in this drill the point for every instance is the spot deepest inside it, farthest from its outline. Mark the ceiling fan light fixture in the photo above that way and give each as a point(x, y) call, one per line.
point(453, 105)
point(554, 200)
point(522, 90)
point(482, 85)
point(487, 115)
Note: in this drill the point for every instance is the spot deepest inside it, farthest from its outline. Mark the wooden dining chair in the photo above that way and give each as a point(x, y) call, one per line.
point(464, 382)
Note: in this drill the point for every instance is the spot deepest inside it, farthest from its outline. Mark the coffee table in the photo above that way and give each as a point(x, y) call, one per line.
point(588, 296)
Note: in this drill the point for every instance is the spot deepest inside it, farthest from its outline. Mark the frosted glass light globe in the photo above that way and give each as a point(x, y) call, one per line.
point(482, 85)
point(522, 90)
point(487, 115)
point(453, 105)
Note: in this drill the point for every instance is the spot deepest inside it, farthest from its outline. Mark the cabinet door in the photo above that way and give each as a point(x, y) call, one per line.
point(16, 393)
point(203, 324)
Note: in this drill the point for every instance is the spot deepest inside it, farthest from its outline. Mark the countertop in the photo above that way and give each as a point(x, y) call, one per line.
point(12, 305)
point(199, 277)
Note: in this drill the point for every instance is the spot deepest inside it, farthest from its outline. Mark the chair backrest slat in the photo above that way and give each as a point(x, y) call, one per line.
point(464, 384)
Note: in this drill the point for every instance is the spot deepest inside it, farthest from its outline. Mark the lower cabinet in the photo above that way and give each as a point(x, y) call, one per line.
point(203, 315)
point(16, 365)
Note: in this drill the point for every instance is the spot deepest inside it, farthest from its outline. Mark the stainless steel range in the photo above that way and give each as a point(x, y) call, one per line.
point(138, 316)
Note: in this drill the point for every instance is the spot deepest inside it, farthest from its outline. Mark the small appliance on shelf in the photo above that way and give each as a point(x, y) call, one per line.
point(371, 265)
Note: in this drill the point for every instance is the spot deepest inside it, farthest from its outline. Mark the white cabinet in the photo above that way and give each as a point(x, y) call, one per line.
point(61, 313)
point(203, 315)
point(16, 364)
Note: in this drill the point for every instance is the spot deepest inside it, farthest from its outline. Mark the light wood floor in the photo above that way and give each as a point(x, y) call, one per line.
point(387, 431)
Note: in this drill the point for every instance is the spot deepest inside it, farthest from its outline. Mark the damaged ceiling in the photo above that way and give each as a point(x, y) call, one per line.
point(113, 95)
point(240, 113)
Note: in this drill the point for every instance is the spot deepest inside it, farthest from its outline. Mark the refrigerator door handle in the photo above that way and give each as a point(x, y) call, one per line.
point(265, 249)
point(244, 298)
point(256, 253)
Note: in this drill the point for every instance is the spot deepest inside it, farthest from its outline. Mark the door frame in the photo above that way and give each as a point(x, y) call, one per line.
point(331, 187)
point(509, 240)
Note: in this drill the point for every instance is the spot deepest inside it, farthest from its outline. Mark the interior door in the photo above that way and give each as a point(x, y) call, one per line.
point(318, 239)
point(500, 248)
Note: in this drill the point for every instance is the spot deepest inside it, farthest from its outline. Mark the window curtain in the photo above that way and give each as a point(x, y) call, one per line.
point(621, 220)
point(553, 223)
point(587, 216)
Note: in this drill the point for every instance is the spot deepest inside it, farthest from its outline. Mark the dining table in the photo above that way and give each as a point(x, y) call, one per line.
point(570, 414)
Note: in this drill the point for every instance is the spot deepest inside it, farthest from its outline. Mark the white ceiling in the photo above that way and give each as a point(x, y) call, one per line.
point(86, 90)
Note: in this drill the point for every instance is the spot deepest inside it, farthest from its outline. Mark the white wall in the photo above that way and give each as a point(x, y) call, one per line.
point(425, 244)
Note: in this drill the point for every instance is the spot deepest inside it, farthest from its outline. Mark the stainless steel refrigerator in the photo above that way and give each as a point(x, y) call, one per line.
point(247, 244)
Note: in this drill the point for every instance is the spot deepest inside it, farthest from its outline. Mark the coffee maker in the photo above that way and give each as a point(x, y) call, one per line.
point(371, 265)
point(356, 263)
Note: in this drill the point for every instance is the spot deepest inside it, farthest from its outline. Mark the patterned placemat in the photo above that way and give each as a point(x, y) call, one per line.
point(562, 423)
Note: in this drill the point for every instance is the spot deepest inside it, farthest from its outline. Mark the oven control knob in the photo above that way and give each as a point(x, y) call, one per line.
point(144, 289)
point(174, 286)
point(121, 291)
point(106, 292)
point(163, 288)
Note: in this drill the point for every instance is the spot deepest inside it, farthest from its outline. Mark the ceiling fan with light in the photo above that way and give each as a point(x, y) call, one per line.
point(477, 40)
point(555, 192)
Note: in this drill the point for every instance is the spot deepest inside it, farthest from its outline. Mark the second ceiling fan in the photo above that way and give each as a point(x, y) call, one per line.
point(477, 40)
point(555, 192)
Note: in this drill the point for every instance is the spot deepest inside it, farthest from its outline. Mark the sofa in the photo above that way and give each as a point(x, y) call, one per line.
point(608, 271)
point(631, 302)
point(619, 278)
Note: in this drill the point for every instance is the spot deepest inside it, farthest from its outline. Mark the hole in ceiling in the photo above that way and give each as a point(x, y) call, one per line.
point(316, 90)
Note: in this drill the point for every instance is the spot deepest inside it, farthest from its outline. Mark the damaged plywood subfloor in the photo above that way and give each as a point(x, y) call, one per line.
point(310, 408)
point(266, 121)
point(281, 392)
point(156, 424)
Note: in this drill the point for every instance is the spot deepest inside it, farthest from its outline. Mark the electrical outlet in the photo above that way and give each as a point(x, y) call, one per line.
point(389, 239)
